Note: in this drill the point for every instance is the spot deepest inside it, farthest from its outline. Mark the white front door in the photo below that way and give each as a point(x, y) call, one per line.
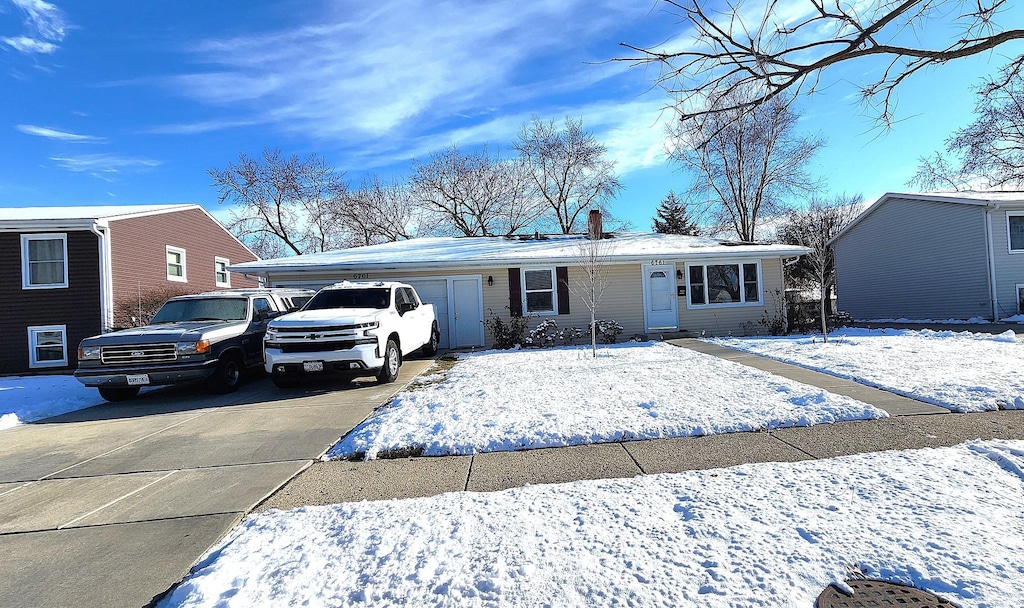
point(661, 309)
point(469, 313)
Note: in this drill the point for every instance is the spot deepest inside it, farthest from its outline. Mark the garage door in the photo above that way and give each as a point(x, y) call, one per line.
point(435, 291)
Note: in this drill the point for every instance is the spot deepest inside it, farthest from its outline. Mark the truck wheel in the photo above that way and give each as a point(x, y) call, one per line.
point(228, 376)
point(118, 394)
point(430, 348)
point(392, 361)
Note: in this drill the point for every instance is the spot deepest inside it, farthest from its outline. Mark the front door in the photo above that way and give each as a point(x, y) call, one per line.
point(661, 312)
point(469, 327)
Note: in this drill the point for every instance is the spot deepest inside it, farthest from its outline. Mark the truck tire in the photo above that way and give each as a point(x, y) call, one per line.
point(118, 393)
point(430, 348)
point(392, 361)
point(228, 376)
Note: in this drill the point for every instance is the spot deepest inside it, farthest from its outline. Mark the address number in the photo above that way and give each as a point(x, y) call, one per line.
point(658, 263)
point(361, 275)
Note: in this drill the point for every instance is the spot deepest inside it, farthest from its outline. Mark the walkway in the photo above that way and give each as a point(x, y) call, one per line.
point(913, 425)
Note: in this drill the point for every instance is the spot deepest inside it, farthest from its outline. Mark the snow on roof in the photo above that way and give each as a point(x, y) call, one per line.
point(439, 252)
point(23, 214)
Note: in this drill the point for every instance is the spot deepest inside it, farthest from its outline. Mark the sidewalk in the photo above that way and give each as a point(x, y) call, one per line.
point(913, 425)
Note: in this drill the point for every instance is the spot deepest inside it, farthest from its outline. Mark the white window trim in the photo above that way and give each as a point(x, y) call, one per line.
point(1016, 296)
point(554, 291)
point(226, 262)
point(32, 331)
point(25, 239)
point(1009, 245)
point(184, 272)
point(740, 263)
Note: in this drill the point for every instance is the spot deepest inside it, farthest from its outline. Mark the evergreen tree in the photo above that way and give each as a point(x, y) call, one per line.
point(672, 217)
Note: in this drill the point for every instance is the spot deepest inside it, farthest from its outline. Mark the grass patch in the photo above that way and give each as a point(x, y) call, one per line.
point(436, 373)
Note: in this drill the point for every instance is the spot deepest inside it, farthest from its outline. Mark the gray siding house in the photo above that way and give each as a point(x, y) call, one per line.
point(933, 256)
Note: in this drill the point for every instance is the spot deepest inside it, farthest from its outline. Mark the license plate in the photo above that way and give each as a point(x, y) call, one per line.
point(138, 380)
point(313, 366)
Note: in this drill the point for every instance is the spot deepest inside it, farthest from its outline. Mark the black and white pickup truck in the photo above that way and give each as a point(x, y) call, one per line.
point(351, 329)
point(213, 335)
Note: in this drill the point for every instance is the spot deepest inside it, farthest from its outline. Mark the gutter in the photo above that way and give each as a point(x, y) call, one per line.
point(102, 231)
point(992, 260)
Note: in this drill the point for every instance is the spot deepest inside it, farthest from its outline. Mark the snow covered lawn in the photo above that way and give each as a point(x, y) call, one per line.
point(962, 371)
point(511, 400)
point(945, 520)
point(24, 399)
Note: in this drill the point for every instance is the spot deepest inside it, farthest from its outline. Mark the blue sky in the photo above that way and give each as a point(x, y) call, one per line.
point(130, 103)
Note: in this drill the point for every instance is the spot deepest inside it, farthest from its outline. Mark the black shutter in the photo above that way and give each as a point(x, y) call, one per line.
point(515, 293)
point(562, 277)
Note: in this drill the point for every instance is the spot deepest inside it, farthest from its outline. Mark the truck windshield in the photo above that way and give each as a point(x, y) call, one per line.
point(350, 298)
point(204, 309)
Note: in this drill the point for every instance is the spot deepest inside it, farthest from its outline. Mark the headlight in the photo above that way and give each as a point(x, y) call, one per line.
point(193, 348)
point(88, 352)
point(368, 327)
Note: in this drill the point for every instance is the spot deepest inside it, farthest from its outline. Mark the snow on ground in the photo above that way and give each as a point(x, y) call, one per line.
point(774, 534)
point(962, 371)
point(1014, 319)
point(511, 400)
point(28, 398)
point(971, 321)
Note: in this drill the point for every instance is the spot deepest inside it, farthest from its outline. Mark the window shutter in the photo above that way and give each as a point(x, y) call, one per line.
point(562, 277)
point(515, 293)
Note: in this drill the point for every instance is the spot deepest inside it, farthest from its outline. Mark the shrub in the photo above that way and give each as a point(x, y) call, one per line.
point(607, 330)
point(543, 335)
point(569, 336)
point(136, 309)
point(507, 334)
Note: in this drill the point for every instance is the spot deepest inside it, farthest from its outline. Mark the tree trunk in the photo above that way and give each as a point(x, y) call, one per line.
point(824, 325)
point(593, 332)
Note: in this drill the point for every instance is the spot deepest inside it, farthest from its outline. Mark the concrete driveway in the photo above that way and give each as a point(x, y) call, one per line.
point(111, 505)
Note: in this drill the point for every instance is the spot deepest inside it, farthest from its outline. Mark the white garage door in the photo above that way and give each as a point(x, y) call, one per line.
point(435, 291)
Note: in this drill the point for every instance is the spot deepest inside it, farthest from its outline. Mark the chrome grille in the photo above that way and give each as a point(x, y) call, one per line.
point(313, 347)
point(138, 354)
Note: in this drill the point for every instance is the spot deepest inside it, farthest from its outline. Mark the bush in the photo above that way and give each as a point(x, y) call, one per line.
point(570, 335)
point(607, 330)
point(506, 334)
point(136, 309)
point(543, 335)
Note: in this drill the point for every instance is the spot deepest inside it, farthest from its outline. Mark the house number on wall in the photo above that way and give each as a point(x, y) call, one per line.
point(659, 263)
point(361, 275)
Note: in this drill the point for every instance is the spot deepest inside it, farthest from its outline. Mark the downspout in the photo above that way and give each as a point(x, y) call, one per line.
point(102, 232)
point(992, 260)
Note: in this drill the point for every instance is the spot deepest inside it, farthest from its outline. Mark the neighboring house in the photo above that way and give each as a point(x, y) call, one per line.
point(655, 283)
point(934, 256)
point(63, 268)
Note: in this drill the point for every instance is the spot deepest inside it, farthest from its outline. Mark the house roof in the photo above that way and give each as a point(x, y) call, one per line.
point(470, 252)
point(981, 198)
point(85, 213)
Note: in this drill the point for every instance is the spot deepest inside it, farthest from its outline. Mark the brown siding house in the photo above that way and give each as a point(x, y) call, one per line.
point(63, 268)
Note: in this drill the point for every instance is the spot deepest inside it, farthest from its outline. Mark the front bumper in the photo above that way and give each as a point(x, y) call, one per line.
point(359, 360)
point(117, 377)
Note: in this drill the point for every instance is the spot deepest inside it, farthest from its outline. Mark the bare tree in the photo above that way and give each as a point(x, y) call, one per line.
point(283, 203)
point(776, 49)
point(568, 169)
point(475, 194)
point(745, 164)
point(379, 212)
point(813, 228)
point(591, 258)
point(989, 152)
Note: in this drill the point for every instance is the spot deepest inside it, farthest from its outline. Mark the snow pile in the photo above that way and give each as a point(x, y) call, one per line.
point(1014, 319)
point(962, 371)
point(944, 520)
point(511, 400)
point(24, 399)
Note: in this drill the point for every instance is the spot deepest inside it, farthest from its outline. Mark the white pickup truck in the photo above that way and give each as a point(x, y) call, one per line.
point(350, 329)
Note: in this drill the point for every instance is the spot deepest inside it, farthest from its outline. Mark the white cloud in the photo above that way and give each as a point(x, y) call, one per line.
point(47, 25)
point(200, 127)
point(97, 164)
point(50, 133)
point(371, 71)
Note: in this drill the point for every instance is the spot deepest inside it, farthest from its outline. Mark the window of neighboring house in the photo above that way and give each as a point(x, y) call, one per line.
point(47, 346)
point(1020, 299)
point(176, 264)
point(44, 261)
point(221, 276)
point(1015, 226)
point(539, 291)
point(724, 284)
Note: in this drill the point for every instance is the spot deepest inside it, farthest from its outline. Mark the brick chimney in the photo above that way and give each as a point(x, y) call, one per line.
point(595, 227)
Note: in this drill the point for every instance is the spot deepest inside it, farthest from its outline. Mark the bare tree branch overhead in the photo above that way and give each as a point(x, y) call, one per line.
point(781, 49)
